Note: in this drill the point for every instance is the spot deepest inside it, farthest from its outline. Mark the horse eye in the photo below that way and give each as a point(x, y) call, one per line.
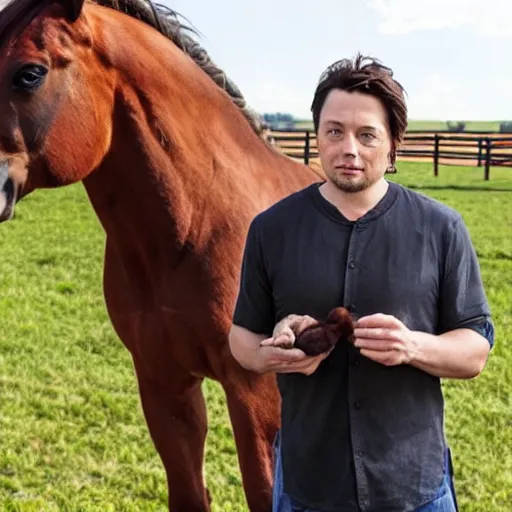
point(30, 77)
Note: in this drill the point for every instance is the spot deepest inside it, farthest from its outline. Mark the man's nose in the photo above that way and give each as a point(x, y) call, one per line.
point(349, 144)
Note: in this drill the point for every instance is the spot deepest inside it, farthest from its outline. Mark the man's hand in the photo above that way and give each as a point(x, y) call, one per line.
point(278, 354)
point(287, 329)
point(259, 354)
point(385, 340)
point(287, 360)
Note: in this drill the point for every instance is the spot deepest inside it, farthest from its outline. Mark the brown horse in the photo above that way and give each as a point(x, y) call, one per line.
point(123, 99)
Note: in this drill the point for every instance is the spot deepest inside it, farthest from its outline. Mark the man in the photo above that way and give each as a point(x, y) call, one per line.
point(362, 427)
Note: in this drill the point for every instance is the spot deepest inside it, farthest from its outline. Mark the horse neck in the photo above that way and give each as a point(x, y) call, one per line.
point(182, 154)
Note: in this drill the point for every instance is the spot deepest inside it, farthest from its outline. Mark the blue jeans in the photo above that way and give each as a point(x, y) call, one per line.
point(445, 501)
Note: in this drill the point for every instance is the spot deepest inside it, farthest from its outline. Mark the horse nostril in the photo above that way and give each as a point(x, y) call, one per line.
point(6, 184)
point(4, 173)
point(8, 190)
point(7, 193)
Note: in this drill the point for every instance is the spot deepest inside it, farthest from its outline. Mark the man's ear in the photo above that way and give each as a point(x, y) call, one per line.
point(391, 169)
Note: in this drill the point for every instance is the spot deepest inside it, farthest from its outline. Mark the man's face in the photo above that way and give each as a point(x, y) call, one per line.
point(353, 140)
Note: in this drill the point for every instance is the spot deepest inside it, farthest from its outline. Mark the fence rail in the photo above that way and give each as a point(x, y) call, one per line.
point(441, 147)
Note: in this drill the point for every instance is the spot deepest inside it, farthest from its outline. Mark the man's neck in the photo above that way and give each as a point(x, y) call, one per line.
point(354, 205)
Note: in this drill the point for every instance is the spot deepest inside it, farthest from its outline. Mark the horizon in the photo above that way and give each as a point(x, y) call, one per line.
point(448, 54)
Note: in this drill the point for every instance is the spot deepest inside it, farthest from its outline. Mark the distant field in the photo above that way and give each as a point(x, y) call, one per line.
point(485, 126)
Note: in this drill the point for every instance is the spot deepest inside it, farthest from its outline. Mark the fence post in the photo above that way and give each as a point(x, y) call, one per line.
point(487, 159)
point(306, 149)
point(480, 147)
point(436, 154)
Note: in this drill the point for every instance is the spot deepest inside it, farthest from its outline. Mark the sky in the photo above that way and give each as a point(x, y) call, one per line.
point(453, 57)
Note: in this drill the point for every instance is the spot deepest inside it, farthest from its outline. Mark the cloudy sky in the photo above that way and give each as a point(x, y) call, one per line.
point(454, 57)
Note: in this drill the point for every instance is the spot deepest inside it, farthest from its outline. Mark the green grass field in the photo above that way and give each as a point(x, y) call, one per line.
point(73, 438)
point(484, 126)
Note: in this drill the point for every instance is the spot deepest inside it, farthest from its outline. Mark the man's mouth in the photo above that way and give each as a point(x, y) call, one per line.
point(350, 169)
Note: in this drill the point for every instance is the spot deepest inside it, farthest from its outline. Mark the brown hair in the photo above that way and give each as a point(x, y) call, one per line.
point(372, 78)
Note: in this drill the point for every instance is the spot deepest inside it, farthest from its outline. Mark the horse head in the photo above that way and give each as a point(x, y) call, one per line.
point(63, 70)
point(54, 129)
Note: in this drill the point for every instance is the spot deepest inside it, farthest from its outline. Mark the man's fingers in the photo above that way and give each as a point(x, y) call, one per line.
point(288, 321)
point(284, 325)
point(374, 344)
point(306, 367)
point(293, 323)
point(283, 355)
point(378, 320)
point(282, 340)
point(388, 358)
point(306, 322)
point(283, 330)
point(375, 333)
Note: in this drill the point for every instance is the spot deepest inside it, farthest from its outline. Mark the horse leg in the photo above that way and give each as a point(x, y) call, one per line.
point(254, 409)
point(177, 421)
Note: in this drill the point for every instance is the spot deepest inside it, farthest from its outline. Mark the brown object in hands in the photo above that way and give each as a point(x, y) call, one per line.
point(322, 337)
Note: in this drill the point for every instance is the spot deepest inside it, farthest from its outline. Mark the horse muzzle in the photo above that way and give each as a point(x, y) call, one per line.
point(8, 193)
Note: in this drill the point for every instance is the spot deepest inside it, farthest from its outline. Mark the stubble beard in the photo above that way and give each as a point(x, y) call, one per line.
point(351, 186)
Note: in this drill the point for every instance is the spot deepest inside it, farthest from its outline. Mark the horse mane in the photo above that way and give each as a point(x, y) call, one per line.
point(16, 14)
point(166, 21)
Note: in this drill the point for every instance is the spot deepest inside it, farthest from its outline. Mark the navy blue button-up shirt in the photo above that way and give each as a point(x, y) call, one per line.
point(358, 435)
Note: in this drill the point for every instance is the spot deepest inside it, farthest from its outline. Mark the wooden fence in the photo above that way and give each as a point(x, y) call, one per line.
point(482, 149)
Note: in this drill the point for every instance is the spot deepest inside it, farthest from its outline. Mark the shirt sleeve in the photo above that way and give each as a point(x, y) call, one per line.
point(483, 326)
point(254, 308)
point(463, 302)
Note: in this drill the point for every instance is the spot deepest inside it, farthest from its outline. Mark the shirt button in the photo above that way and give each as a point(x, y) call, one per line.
point(355, 361)
point(359, 453)
point(357, 405)
point(352, 264)
point(351, 308)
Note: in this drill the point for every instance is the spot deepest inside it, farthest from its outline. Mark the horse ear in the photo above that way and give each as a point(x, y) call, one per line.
point(74, 8)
